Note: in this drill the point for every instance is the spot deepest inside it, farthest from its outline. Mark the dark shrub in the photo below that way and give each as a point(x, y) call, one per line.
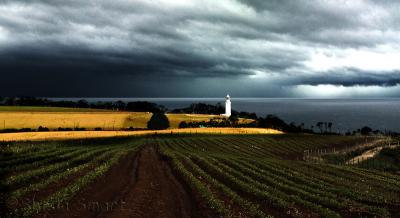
point(9, 130)
point(43, 129)
point(26, 130)
point(158, 121)
point(98, 129)
point(64, 129)
point(365, 130)
point(83, 104)
point(183, 124)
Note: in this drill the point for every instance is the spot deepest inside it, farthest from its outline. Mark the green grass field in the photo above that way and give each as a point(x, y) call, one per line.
point(229, 175)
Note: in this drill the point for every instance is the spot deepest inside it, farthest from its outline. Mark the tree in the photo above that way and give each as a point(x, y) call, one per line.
point(120, 105)
point(83, 103)
point(10, 101)
point(301, 126)
point(319, 125)
point(330, 126)
point(201, 108)
point(43, 129)
point(158, 121)
point(377, 132)
point(183, 124)
point(365, 130)
point(234, 120)
point(274, 122)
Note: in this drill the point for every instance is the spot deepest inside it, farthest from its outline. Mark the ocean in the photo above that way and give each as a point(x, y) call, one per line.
point(345, 114)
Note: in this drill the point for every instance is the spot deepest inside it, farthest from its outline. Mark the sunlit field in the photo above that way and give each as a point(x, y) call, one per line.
point(89, 119)
point(58, 135)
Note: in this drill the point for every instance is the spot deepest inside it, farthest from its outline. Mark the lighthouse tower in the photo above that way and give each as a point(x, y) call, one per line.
point(227, 106)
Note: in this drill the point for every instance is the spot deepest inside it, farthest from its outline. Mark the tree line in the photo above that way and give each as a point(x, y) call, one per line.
point(135, 106)
point(203, 108)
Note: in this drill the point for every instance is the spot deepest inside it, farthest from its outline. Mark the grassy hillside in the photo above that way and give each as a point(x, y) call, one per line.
point(53, 118)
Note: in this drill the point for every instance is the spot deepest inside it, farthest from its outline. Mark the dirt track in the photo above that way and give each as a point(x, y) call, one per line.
point(139, 186)
point(369, 153)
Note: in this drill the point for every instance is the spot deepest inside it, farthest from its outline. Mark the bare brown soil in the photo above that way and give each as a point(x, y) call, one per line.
point(139, 185)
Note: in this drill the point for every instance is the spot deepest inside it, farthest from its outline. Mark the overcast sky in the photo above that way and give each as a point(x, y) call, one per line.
point(200, 48)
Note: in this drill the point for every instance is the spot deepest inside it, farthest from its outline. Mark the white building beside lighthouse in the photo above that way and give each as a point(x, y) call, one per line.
point(227, 106)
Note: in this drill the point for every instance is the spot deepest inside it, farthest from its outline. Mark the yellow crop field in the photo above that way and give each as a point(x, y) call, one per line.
point(39, 136)
point(107, 120)
point(88, 120)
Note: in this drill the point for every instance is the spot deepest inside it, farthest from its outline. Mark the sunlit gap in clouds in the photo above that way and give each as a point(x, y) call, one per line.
point(340, 91)
point(380, 59)
point(3, 34)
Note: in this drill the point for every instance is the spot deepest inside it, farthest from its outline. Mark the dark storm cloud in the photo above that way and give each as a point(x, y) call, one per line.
point(264, 43)
point(338, 23)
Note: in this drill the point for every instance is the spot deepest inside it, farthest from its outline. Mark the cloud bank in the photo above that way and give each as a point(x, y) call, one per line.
point(250, 48)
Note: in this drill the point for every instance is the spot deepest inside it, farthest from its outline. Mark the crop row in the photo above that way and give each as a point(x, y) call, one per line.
point(208, 186)
point(260, 146)
point(68, 192)
point(58, 176)
point(251, 171)
point(80, 164)
point(29, 176)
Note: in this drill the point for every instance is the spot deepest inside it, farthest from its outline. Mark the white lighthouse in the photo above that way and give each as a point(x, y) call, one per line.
point(227, 106)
